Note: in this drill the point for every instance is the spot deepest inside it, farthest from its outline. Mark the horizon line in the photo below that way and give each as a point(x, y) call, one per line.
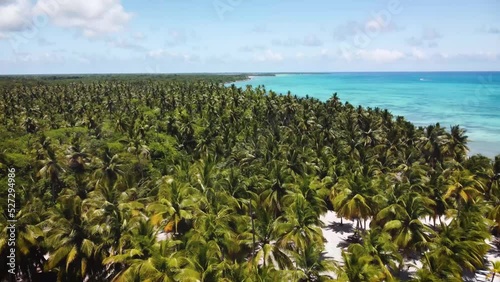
point(244, 73)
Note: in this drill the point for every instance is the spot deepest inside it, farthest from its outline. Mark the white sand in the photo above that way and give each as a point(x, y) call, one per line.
point(336, 234)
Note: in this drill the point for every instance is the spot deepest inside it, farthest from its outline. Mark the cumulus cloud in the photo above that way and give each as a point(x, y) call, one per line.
point(166, 54)
point(93, 17)
point(380, 55)
point(269, 55)
point(15, 15)
point(375, 55)
point(428, 37)
point(352, 28)
point(418, 54)
point(466, 57)
point(43, 57)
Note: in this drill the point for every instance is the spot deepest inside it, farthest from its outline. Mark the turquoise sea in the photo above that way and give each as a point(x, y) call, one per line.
point(469, 99)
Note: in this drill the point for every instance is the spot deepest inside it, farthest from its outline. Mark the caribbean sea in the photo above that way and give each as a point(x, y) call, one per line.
point(469, 99)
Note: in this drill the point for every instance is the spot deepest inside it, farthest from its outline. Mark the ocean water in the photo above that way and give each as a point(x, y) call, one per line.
point(469, 99)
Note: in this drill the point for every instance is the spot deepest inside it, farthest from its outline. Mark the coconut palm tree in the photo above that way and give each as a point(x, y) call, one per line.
point(176, 202)
point(358, 266)
point(495, 269)
point(402, 221)
point(312, 266)
point(463, 187)
point(300, 226)
point(74, 252)
point(354, 199)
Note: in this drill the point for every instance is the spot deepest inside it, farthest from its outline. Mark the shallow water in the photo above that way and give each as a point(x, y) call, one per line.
point(470, 99)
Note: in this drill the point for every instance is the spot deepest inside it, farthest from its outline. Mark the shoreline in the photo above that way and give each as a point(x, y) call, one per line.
point(481, 147)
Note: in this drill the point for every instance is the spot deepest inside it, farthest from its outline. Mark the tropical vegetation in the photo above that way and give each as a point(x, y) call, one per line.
point(175, 178)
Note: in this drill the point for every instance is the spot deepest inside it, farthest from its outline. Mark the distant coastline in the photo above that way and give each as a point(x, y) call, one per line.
point(465, 98)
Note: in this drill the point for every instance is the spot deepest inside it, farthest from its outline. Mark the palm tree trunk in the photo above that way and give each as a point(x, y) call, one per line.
point(253, 230)
point(493, 277)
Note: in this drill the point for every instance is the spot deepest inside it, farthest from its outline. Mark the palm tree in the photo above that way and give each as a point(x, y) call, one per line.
point(51, 169)
point(495, 269)
point(300, 226)
point(438, 268)
point(73, 251)
point(358, 266)
point(457, 146)
point(145, 259)
point(402, 221)
point(109, 169)
point(353, 199)
point(384, 250)
point(455, 250)
point(176, 202)
point(312, 266)
point(463, 186)
point(276, 188)
point(267, 251)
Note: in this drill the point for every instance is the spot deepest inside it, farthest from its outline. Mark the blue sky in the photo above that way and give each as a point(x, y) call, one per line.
point(165, 36)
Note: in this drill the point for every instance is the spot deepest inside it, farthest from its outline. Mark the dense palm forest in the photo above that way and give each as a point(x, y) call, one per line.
point(184, 179)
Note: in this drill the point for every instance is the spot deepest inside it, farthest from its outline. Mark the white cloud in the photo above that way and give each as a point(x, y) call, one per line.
point(428, 35)
point(15, 15)
point(165, 54)
point(93, 17)
point(158, 53)
point(380, 55)
point(376, 55)
point(372, 26)
point(44, 57)
point(483, 56)
point(269, 55)
point(418, 54)
point(461, 57)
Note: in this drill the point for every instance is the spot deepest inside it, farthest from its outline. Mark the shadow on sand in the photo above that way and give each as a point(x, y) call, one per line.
point(495, 248)
point(340, 228)
point(404, 275)
point(352, 239)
